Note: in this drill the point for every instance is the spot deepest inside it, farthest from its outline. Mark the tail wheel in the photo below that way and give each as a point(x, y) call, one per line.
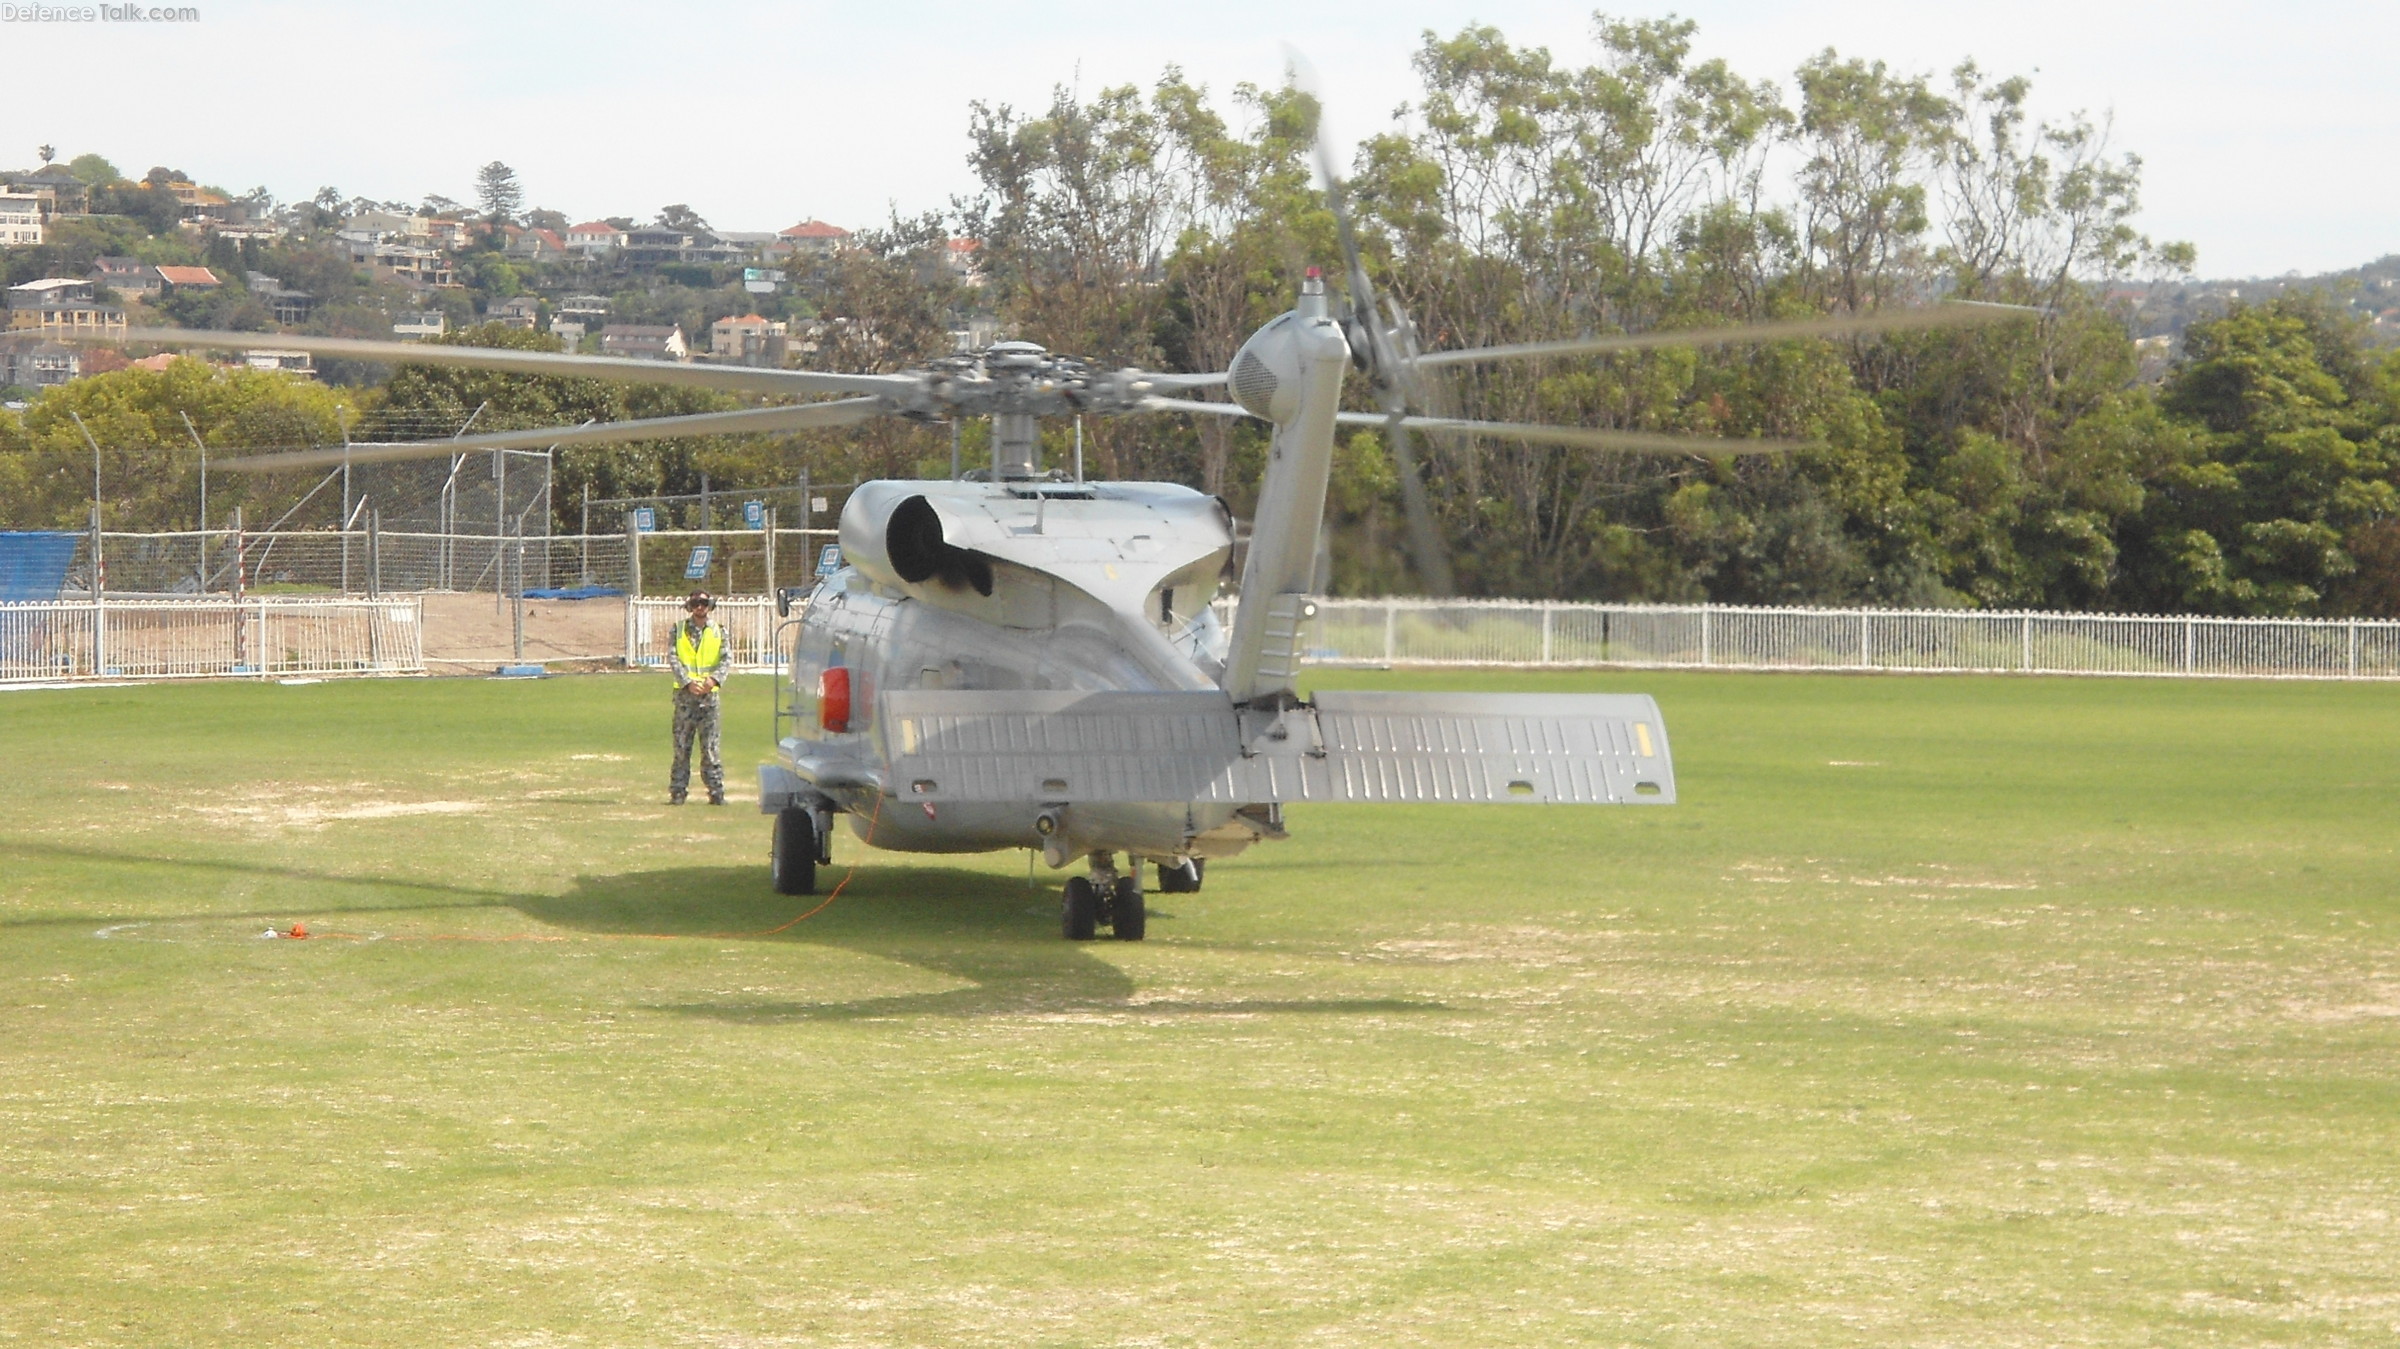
point(795, 854)
point(1182, 880)
point(1126, 916)
point(1079, 916)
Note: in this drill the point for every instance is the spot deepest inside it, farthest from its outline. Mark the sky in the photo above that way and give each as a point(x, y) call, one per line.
point(2266, 130)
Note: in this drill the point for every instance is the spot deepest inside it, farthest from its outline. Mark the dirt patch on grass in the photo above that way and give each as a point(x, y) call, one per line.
point(478, 631)
point(296, 806)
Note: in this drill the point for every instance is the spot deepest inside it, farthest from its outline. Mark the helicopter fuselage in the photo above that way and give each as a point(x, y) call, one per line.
point(1006, 586)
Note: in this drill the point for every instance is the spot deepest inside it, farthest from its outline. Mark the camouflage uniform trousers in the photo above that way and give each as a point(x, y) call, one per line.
point(696, 719)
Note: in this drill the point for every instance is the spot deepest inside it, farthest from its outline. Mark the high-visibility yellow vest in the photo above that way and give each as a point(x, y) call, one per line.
point(703, 654)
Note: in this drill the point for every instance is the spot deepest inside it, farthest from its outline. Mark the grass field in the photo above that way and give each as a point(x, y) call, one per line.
point(1942, 1010)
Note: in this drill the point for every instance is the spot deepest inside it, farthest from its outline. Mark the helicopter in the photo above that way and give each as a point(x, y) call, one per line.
point(1015, 658)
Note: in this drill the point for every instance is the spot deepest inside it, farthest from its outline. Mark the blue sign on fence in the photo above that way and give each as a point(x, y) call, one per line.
point(754, 515)
point(645, 519)
point(829, 561)
point(697, 568)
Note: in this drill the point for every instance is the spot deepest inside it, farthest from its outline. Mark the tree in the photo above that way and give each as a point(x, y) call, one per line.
point(498, 192)
point(47, 153)
point(149, 467)
point(92, 170)
point(681, 217)
point(2299, 464)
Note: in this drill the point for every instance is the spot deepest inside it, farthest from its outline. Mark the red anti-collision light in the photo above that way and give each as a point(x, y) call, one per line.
point(833, 699)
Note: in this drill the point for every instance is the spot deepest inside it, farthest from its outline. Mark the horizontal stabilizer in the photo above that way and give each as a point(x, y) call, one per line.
point(1041, 746)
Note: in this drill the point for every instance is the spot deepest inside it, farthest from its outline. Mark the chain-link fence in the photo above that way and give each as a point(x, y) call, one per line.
point(379, 560)
point(163, 639)
point(1513, 633)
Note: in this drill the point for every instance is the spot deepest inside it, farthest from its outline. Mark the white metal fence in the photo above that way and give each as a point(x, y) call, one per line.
point(267, 635)
point(262, 636)
point(749, 622)
point(1515, 633)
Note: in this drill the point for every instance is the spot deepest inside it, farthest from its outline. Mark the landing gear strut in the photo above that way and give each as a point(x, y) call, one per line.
point(1104, 897)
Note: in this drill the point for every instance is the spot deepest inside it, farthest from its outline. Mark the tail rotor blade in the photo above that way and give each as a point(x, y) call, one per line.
point(1424, 540)
point(1385, 366)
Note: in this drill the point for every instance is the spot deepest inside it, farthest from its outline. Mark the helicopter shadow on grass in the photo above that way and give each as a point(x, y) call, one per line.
point(999, 938)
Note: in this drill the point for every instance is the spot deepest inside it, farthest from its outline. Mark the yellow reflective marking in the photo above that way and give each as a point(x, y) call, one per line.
point(908, 735)
point(1641, 737)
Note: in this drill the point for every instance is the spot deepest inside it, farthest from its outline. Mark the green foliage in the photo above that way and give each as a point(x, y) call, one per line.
point(497, 191)
point(149, 465)
point(93, 170)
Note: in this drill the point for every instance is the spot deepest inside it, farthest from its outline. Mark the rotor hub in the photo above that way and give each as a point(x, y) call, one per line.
point(1022, 379)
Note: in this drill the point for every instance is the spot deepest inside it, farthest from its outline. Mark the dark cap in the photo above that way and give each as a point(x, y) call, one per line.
point(699, 599)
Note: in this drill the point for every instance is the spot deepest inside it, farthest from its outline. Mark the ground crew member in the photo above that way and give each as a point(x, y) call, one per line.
point(701, 664)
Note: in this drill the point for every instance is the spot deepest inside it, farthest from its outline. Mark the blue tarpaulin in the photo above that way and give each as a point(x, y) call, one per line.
point(570, 592)
point(33, 563)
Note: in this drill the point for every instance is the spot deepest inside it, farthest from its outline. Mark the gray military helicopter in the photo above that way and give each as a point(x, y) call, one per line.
point(1017, 658)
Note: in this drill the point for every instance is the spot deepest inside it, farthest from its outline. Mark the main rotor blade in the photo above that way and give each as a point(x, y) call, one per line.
point(1580, 437)
point(1195, 405)
point(1956, 314)
point(1200, 381)
point(749, 421)
point(733, 378)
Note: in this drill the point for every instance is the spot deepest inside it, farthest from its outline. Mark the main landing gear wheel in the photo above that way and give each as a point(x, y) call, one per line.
point(1126, 916)
point(795, 855)
point(1079, 916)
point(1182, 880)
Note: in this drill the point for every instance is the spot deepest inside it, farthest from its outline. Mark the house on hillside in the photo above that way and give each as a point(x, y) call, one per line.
point(517, 311)
point(535, 245)
point(289, 362)
point(964, 258)
point(174, 279)
point(644, 342)
point(374, 227)
point(809, 238)
point(656, 246)
point(595, 239)
point(749, 243)
point(584, 306)
point(286, 304)
point(747, 340)
point(127, 276)
point(22, 224)
point(63, 306)
point(54, 185)
point(37, 362)
point(417, 327)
